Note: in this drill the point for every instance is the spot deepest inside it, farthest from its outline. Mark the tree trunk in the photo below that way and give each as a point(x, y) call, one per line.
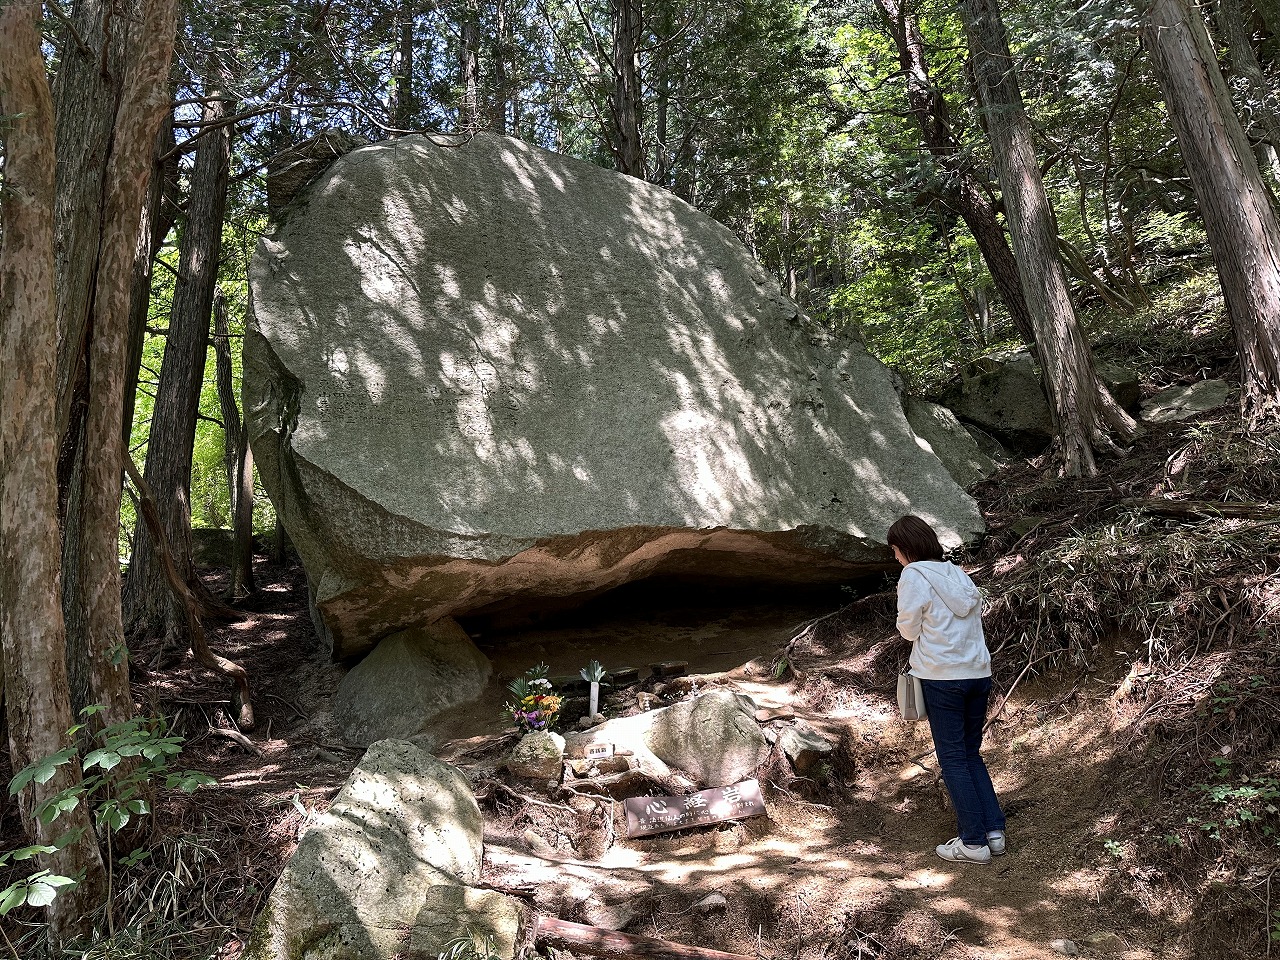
point(498, 55)
point(1238, 217)
point(226, 392)
point(86, 95)
point(405, 111)
point(144, 101)
point(242, 582)
point(237, 458)
point(38, 702)
point(1244, 63)
point(628, 150)
point(158, 218)
point(173, 424)
point(929, 108)
point(1085, 414)
point(469, 62)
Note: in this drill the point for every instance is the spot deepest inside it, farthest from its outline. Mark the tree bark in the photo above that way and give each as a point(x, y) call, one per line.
point(173, 424)
point(963, 192)
point(225, 380)
point(498, 55)
point(1086, 415)
point(1244, 63)
point(38, 702)
point(405, 110)
point(469, 63)
point(158, 218)
point(144, 102)
point(86, 95)
point(625, 102)
point(242, 582)
point(1238, 216)
point(237, 458)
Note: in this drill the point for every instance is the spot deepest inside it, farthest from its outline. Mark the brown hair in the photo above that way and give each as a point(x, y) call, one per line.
point(915, 538)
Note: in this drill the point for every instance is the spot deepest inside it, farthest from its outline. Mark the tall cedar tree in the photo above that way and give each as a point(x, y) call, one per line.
point(627, 97)
point(1086, 415)
point(150, 606)
point(38, 704)
point(962, 193)
point(1233, 199)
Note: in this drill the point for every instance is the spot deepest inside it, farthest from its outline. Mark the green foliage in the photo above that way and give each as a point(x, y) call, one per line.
point(593, 672)
point(115, 799)
point(471, 946)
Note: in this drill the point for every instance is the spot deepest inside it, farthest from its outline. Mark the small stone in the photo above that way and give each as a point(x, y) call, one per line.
point(646, 701)
point(804, 746)
point(1105, 941)
point(771, 735)
point(1067, 948)
point(537, 845)
point(712, 903)
point(538, 756)
point(586, 723)
point(609, 916)
point(670, 668)
point(768, 714)
point(624, 676)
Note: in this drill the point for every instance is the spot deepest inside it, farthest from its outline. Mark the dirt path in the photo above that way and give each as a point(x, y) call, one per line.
point(841, 868)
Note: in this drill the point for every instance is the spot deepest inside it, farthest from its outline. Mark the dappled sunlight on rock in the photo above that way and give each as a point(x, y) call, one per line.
point(481, 372)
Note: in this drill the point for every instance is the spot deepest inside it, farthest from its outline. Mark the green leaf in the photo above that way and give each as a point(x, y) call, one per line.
point(13, 896)
point(107, 759)
point(41, 771)
point(136, 857)
point(93, 708)
point(44, 891)
point(26, 853)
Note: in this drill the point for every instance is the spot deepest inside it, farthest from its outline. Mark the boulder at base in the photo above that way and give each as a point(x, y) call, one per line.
point(937, 428)
point(1005, 399)
point(409, 678)
point(714, 738)
point(387, 870)
point(1183, 403)
point(481, 377)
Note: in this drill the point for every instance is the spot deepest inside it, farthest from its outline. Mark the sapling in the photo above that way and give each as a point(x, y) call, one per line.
point(593, 673)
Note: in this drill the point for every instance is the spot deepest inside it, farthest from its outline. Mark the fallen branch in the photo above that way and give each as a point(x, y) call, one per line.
point(599, 942)
point(238, 737)
point(199, 646)
point(1203, 510)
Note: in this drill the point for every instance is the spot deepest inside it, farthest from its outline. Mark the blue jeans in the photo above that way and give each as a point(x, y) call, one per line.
point(957, 710)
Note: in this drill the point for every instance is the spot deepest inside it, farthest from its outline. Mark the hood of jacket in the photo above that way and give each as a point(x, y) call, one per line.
point(950, 583)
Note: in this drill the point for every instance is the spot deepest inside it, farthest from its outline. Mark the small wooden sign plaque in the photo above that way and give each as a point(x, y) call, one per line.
point(597, 751)
point(650, 815)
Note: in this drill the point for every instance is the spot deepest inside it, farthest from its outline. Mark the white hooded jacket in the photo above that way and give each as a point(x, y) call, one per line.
point(940, 612)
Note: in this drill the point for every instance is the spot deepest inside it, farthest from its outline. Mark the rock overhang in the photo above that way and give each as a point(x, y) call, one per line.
point(480, 372)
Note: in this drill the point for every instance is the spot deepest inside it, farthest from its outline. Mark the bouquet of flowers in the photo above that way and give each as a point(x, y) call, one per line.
point(536, 706)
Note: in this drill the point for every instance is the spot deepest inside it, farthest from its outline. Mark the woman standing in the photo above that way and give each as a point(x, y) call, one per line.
point(940, 612)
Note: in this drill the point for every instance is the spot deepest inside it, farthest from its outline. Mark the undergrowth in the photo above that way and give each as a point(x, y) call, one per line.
point(1172, 556)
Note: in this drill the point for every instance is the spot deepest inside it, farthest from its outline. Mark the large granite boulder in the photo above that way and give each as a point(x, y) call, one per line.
point(409, 678)
point(480, 376)
point(387, 871)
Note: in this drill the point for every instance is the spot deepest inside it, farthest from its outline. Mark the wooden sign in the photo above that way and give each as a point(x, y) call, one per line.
point(597, 751)
point(650, 815)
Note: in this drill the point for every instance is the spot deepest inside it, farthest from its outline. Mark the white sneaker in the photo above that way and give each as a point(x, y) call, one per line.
point(995, 841)
point(955, 850)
